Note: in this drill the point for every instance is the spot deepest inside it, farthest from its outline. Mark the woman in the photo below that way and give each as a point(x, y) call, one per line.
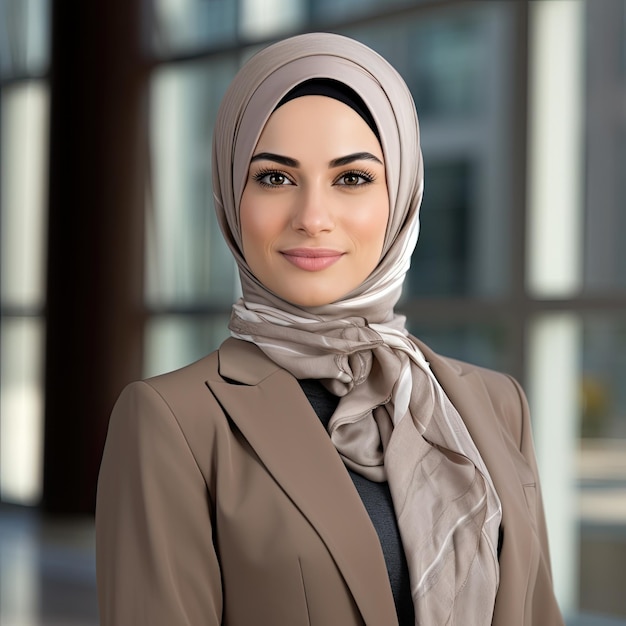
point(322, 467)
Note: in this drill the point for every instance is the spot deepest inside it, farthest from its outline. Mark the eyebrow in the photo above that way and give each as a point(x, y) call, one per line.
point(277, 158)
point(338, 162)
point(357, 156)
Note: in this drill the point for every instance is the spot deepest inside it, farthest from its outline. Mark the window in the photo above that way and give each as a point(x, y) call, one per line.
point(23, 132)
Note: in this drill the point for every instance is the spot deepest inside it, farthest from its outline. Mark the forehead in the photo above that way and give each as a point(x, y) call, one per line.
point(315, 121)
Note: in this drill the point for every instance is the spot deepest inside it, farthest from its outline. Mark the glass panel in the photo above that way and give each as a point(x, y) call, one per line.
point(552, 374)
point(21, 408)
point(624, 39)
point(19, 576)
point(461, 249)
point(577, 398)
point(447, 66)
point(23, 134)
point(555, 159)
point(329, 10)
point(487, 345)
point(185, 25)
point(24, 37)
point(605, 224)
point(605, 219)
point(448, 62)
point(270, 17)
point(173, 341)
point(602, 465)
point(188, 261)
point(182, 25)
point(440, 262)
point(603, 392)
point(459, 71)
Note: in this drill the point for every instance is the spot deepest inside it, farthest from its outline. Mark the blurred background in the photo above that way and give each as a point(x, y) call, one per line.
point(113, 267)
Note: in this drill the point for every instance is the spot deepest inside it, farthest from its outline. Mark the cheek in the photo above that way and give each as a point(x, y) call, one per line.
point(259, 224)
point(371, 224)
point(251, 224)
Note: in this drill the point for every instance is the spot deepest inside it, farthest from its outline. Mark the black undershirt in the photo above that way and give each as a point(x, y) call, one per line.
point(377, 500)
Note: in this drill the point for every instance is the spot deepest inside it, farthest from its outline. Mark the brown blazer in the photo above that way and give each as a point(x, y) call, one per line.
point(221, 500)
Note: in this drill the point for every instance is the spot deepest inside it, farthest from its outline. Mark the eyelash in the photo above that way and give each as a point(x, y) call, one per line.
point(261, 174)
point(368, 177)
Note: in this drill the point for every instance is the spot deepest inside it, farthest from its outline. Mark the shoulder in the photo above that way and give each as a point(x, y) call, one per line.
point(187, 377)
point(498, 385)
point(235, 361)
point(159, 412)
point(188, 396)
point(473, 389)
point(507, 399)
point(168, 392)
point(501, 387)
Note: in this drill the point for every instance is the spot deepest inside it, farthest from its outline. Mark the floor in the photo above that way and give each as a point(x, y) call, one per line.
point(47, 572)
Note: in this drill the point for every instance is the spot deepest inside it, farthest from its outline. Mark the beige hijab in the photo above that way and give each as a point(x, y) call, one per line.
point(394, 421)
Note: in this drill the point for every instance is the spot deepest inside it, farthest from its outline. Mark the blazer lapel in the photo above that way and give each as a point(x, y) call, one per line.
point(279, 423)
point(277, 420)
point(509, 473)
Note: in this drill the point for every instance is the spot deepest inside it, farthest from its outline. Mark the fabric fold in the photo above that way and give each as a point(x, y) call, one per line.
point(397, 424)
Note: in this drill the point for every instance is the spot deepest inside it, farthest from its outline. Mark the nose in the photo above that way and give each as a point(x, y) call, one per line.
point(312, 212)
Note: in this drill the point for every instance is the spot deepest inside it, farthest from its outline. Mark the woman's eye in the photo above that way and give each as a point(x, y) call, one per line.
point(272, 179)
point(353, 179)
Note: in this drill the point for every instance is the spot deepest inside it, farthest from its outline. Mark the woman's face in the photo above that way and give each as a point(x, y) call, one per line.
point(315, 206)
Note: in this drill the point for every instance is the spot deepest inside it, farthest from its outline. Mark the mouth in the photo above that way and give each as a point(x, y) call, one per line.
point(312, 259)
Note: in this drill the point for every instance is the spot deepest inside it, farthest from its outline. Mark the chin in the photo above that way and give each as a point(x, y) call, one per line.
point(304, 299)
point(311, 300)
point(309, 303)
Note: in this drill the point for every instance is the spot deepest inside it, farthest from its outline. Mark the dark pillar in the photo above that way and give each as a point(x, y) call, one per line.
point(95, 243)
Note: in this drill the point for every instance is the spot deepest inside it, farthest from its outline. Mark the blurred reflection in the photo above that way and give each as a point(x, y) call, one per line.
point(47, 570)
point(19, 580)
point(485, 344)
point(21, 410)
point(22, 235)
point(23, 143)
point(605, 219)
point(329, 10)
point(188, 262)
point(176, 340)
point(183, 25)
point(24, 37)
point(270, 18)
point(603, 393)
point(458, 66)
point(602, 464)
point(443, 259)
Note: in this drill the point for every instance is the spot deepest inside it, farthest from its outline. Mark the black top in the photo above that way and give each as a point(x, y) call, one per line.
point(377, 500)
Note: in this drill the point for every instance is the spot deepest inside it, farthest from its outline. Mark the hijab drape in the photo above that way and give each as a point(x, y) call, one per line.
point(393, 421)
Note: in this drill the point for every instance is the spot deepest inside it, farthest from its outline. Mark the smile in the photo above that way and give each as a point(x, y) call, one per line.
point(312, 259)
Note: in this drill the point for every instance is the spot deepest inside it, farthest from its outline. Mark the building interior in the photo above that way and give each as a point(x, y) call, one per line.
point(113, 267)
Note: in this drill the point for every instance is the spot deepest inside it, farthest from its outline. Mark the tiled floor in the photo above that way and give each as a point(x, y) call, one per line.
point(47, 570)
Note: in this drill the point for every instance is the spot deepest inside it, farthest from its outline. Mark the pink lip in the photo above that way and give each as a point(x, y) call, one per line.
point(312, 259)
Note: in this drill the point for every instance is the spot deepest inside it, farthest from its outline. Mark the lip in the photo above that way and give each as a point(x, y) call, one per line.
point(312, 259)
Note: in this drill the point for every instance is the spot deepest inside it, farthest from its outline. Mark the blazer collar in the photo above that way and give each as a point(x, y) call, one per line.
point(276, 418)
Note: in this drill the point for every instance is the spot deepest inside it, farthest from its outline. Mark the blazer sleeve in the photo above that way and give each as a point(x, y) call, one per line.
point(541, 604)
point(155, 558)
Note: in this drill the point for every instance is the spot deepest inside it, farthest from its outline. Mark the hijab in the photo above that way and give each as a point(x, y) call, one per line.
point(393, 422)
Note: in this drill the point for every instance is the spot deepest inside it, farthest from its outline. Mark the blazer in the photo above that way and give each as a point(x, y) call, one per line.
point(221, 500)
